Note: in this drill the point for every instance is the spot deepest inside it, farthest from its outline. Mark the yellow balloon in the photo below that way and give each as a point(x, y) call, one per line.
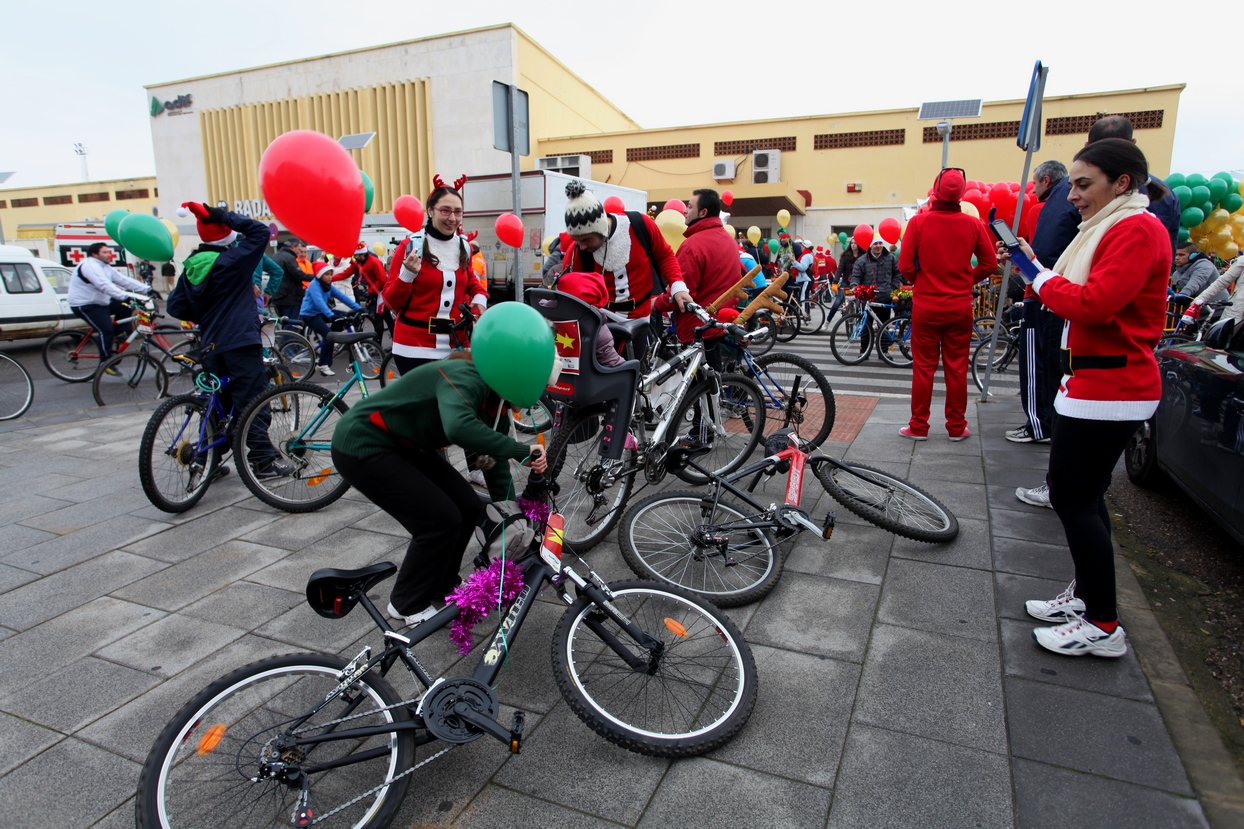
point(1241, 187)
point(672, 224)
point(172, 231)
point(546, 247)
point(730, 230)
point(1216, 219)
point(379, 249)
point(1229, 251)
point(970, 209)
point(783, 218)
point(1202, 244)
point(1220, 238)
point(753, 235)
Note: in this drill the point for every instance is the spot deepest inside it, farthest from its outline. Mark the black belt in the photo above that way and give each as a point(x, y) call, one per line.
point(435, 325)
point(1068, 364)
point(628, 304)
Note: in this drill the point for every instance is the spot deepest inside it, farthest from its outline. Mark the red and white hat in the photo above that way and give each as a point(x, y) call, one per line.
point(361, 249)
point(212, 233)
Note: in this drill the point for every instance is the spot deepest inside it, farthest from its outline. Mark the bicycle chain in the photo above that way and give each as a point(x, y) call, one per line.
point(372, 791)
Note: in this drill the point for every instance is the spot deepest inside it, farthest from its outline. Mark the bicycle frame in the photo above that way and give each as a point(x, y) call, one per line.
point(214, 406)
point(356, 377)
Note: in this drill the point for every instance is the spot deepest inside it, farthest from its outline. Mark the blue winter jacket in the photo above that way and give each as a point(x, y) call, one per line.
point(315, 300)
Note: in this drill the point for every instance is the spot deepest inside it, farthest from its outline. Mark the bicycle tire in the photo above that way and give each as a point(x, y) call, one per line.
point(889, 502)
point(223, 784)
point(66, 360)
point(180, 376)
point(370, 359)
point(575, 461)
point(291, 409)
point(658, 537)
point(811, 317)
point(1004, 355)
point(740, 406)
point(982, 328)
point(813, 416)
point(536, 419)
point(17, 390)
point(787, 328)
point(762, 345)
point(139, 378)
point(174, 475)
point(388, 370)
point(297, 352)
point(850, 339)
point(897, 332)
point(697, 697)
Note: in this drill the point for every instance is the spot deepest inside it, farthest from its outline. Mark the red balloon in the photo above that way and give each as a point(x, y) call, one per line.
point(613, 204)
point(727, 198)
point(408, 211)
point(1030, 187)
point(313, 187)
point(888, 228)
point(998, 194)
point(863, 235)
point(675, 204)
point(1014, 185)
point(1028, 225)
point(510, 230)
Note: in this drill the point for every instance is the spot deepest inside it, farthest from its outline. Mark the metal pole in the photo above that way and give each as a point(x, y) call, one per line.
point(516, 185)
point(946, 147)
point(1006, 280)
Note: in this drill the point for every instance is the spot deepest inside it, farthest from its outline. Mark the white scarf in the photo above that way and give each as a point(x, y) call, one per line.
point(1077, 259)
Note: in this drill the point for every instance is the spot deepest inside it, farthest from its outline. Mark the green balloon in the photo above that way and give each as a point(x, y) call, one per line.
point(1176, 180)
point(1196, 180)
point(1224, 176)
point(512, 346)
point(842, 238)
point(773, 246)
point(1191, 217)
point(1184, 195)
point(1200, 194)
point(1232, 202)
point(369, 191)
point(1217, 189)
point(1207, 207)
point(146, 237)
point(113, 221)
point(1184, 234)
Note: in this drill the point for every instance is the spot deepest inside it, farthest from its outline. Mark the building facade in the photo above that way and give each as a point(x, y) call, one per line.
point(29, 215)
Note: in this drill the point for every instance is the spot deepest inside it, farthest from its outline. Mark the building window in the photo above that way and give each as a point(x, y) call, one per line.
point(660, 153)
point(597, 156)
point(50, 200)
point(3, 204)
point(1150, 119)
point(25, 202)
point(723, 148)
point(122, 195)
point(975, 132)
point(87, 197)
point(870, 138)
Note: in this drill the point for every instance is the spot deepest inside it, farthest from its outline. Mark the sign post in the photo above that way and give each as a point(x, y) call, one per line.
point(510, 134)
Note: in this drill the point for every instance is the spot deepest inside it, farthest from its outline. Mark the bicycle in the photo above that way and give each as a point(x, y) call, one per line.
point(853, 335)
point(718, 550)
point(17, 390)
point(796, 391)
point(1006, 355)
point(135, 376)
point(307, 738)
point(73, 356)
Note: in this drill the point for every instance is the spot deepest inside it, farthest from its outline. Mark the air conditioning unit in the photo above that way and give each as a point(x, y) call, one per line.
point(723, 169)
point(579, 166)
point(766, 166)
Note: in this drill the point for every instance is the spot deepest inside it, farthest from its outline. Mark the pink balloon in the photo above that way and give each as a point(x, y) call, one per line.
point(313, 187)
point(727, 198)
point(613, 204)
point(888, 229)
point(675, 204)
point(510, 230)
point(408, 211)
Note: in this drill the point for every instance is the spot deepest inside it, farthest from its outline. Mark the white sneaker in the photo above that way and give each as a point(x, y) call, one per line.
point(327, 372)
point(1058, 609)
point(476, 477)
point(410, 621)
point(1080, 636)
point(1038, 496)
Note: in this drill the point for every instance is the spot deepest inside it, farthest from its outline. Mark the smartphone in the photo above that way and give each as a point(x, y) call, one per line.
point(1027, 268)
point(1004, 234)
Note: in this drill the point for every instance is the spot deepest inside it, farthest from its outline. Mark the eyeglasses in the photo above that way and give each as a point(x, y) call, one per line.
point(448, 211)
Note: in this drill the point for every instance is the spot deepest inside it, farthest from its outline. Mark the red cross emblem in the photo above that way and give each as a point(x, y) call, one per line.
point(76, 255)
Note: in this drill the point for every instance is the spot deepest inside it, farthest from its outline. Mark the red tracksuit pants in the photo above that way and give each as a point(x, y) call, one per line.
point(946, 335)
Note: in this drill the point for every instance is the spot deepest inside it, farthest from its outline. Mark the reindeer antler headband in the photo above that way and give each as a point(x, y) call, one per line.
point(438, 182)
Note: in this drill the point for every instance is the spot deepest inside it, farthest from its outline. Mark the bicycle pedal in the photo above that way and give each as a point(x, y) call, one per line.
point(827, 528)
point(517, 724)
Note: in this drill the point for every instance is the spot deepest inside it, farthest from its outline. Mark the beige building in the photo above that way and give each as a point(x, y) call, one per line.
point(29, 215)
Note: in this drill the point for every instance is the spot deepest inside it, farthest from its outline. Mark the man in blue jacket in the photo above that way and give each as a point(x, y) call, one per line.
point(216, 290)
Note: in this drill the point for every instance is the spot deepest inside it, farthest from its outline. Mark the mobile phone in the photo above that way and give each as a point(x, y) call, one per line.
point(1027, 268)
point(1004, 234)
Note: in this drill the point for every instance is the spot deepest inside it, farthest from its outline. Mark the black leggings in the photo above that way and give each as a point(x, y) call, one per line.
point(1083, 453)
point(436, 506)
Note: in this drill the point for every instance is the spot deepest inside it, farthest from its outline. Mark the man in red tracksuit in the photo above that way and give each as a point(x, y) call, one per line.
point(372, 277)
point(936, 257)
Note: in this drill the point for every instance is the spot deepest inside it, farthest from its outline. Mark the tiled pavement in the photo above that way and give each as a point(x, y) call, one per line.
point(899, 683)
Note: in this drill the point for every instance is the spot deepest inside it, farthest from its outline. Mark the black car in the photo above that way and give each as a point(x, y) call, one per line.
point(1196, 437)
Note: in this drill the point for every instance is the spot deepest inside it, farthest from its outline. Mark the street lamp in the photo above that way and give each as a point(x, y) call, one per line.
point(944, 112)
point(3, 178)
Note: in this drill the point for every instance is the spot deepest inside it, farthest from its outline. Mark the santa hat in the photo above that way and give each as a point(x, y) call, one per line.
point(360, 249)
point(212, 233)
point(589, 287)
point(584, 213)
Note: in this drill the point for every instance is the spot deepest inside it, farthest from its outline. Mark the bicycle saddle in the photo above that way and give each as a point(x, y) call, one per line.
point(351, 337)
point(333, 593)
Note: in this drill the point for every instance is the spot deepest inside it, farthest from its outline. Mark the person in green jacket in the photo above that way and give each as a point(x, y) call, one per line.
point(388, 447)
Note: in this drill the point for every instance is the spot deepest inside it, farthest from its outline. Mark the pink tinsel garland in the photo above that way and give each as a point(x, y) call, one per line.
point(477, 596)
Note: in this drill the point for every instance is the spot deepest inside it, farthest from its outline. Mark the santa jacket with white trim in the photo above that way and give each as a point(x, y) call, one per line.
point(435, 291)
point(627, 269)
point(1116, 317)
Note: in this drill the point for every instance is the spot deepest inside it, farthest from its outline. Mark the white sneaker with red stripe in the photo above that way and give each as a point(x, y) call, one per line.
point(1079, 637)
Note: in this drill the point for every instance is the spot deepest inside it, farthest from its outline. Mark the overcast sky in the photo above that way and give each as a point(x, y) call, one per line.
point(75, 70)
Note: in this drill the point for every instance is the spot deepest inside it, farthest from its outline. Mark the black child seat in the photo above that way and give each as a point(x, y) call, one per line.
point(583, 381)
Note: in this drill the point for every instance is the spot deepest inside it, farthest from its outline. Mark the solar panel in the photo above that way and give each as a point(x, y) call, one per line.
point(939, 110)
point(357, 141)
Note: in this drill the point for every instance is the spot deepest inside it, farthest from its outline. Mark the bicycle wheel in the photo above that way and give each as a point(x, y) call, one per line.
point(787, 326)
point(297, 421)
point(762, 345)
point(982, 328)
point(730, 421)
point(180, 375)
point(889, 502)
point(593, 492)
point(370, 358)
point(689, 697)
point(894, 345)
point(296, 352)
point(811, 317)
point(72, 356)
point(1003, 378)
point(535, 419)
point(132, 377)
point(221, 761)
point(811, 413)
point(17, 390)
point(388, 370)
point(682, 538)
point(851, 339)
point(174, 465)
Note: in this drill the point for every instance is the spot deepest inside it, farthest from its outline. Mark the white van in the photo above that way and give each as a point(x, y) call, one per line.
point(33, 295)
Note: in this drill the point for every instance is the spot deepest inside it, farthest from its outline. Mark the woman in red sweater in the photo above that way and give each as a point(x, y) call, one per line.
point(1110, 287)
point(936, 258)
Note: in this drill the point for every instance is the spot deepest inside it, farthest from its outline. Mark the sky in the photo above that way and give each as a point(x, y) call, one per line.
point(666, 63)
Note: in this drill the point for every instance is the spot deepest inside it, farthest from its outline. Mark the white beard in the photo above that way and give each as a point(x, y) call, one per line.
point(618, 247)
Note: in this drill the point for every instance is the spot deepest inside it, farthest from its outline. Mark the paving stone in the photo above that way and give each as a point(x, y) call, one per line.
point(299, 531)
point(940, 444)
point(964, 499)
point(1012, 590)
point(1037, 523)
point(106, 487)
point(67, 638)
point(970, 548)
point(243, 604)
point(74, 517)
point(193, 537)
point(170, 645)
point(1023, 657)
point(900, 780)
point(855, 552)
point(809, 614)
point(223, 493)
point(78, 694)
point(527, 679)
point(26, 505)
point(703, 793)
point(942, 687)
point(805, 699)
point(192, 579)
point(52, 595)
point(70, 784)
point(345, 549)
point(1010, 477)
point(930, 467)
point(5, 633)
point(1109, 736)
point(1052, 798)
point(497, 807)
point(121, 817)
point(304, 629)
point(33, 479)
point(13, 577)
point(21, 739)
point(381, 522)
point(86, 543)
point(949, 600)
point(1032, 558)
point(1017, 456)
point(16, 537)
